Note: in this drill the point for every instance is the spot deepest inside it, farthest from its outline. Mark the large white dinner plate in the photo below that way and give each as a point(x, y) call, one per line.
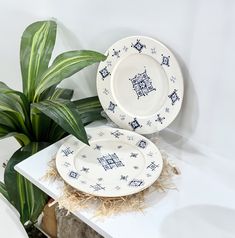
point(117, 162)
point(140, 84)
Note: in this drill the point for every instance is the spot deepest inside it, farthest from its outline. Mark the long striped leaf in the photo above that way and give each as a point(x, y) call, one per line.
point(89, 110)
point(66, 65)
point(37, 44)
point(63, 93)
point(87, 104)
point(64, 113)
point(27, 198)
point(8, 132)
point(14, 111)
point(16, 102)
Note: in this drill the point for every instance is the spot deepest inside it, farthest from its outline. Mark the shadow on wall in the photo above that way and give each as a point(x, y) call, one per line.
point(209, 221)
point(184, 125)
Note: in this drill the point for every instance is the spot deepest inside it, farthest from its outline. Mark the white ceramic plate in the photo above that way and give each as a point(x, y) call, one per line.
point(140, 84)
point(117, 162)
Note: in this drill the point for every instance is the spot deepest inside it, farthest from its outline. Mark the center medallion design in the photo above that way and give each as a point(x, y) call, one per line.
point(110, 161)
point(142, 84)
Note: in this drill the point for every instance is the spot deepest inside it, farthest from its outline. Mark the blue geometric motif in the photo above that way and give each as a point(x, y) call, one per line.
point(165, 60)
point(123, 177)
point(116, 53)
point(97, 147)
point(138, 46)
point(134, 124)
point(73, 174)
point(116, 134)
point(136, 183)
point(84, 169)
point(133, 155)
point(174, 97)
point(142, 144)
point(110, 161)
point(142, 84)
point(67, 151)
point(160, 119)
point(104, 72)
point(152, 166)
point(112, 106)
point(97, 187)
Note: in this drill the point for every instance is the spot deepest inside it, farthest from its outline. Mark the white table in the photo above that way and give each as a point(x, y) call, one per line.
point(203, 206)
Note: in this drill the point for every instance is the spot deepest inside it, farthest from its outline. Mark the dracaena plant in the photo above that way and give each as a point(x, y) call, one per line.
point(43, 113)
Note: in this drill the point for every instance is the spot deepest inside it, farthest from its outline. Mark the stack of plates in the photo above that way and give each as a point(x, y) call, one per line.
point(140, 87)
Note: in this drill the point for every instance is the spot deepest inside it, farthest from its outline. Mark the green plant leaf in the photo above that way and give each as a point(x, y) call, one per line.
point(7, 132)
point(3, 190)
point(63, 93)
point(26, 198)
point(64, 113)
point(89, 109)
point(14, 105)
point(36, 47)
point(66, 65)
point(87, 104)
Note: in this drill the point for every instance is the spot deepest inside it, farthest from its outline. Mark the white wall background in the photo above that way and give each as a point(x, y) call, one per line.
point(201, 34)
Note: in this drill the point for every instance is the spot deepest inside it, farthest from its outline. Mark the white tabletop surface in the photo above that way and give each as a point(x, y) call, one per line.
point(203, 206)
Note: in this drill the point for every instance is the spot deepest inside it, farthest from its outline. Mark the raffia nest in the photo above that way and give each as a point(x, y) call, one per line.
point(74, 200)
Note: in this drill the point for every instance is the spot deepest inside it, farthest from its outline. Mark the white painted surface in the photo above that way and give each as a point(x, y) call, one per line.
point(10, 222)
point(198, 32)
point(203, 206)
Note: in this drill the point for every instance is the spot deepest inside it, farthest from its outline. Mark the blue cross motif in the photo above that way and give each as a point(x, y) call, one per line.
point(97, 147)
point(116, 134)
point(142, 84)
point(104, 72)
point(134, 124)
point(112, 106)
point(67, 164)
point(124, 177)
point(125, 48)
point(67, 151)
point(138, 46)
point(73, 174)
point(149, 123)
point(97, 187)
point(133, 155)
point(84, 169)
point(174, 97)
point(122, 117)
point(136, 183)
point(153, 51)
point(173, 79)
point(106, 91)
point(167, 110)
point(142, 144)
point(165, 60)
point(116, 53)
point(152, 166)
point(160, 119)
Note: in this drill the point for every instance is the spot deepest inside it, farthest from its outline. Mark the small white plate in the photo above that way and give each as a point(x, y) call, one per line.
point(117, 162)
point(140, 85)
